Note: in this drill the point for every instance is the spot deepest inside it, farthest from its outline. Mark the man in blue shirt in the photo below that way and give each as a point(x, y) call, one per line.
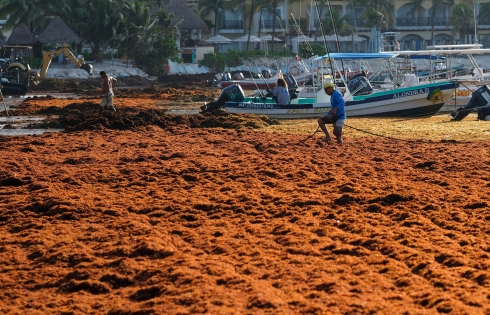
point(336, 115)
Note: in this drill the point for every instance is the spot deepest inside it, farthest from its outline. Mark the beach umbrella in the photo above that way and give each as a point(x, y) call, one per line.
point(329, 38)
point(268, 38)
point(334, 38)
point(357, 38)
point(302, 38)
point(218, 39)
point(244, 38)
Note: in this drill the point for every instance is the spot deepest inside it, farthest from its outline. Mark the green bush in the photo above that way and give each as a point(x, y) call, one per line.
point(154, 59)
point(35, 63)
point(233, 58)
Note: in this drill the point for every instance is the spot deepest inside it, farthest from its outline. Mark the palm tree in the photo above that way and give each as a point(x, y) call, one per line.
point(166, 24)
point(158, 45)
point(271, 7)
point(132, 30)
point(461, 19)
point(212, 6)
point(101, 23)
point(374, 18)
point(382, 7)
point(334, 20)
point(436, 4)
point(249, 11)
point(416, 7)
point(33, 13)
point(319, 12)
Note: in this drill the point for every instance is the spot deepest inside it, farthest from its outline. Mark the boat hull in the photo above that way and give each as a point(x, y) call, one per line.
point(408, 102)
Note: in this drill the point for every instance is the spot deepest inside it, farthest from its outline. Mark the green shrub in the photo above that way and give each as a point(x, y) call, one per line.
point(35, 63)
point(233, 58)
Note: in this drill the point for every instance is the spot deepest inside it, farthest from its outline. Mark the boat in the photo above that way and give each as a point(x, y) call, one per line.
point(265, 79)
point(409, 99)
point(480, 101)
point(442, 67)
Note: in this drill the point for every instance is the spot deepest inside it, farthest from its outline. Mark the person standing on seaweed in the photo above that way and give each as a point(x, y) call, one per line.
point(107, 93)
point(336, 116)
point(281, 93)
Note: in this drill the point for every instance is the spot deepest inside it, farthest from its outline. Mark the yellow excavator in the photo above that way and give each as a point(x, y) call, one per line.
point(16, 74)
point(49, 55)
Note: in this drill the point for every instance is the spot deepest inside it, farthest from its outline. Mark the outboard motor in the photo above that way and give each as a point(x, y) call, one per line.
point(232, 93)
point(480, 98)
point(292, 86)
point(226, 77)
point(291, 81)
point(266, 74)
point(216, 80)
point(359, 84)
point(484, 113)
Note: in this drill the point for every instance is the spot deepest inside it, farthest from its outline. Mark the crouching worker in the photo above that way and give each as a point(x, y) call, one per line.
point(336, 115)
point(281, 93)
point(107, 93)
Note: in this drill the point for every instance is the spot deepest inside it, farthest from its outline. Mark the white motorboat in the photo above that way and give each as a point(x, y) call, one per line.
point(409, 99)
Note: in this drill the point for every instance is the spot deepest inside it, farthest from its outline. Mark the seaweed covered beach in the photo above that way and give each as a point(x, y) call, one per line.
point(144, 211)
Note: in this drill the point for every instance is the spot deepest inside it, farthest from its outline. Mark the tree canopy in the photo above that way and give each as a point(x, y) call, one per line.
point(133, 27)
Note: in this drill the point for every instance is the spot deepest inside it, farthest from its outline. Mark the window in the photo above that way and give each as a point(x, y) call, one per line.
point(268, 17)
point(231, 20)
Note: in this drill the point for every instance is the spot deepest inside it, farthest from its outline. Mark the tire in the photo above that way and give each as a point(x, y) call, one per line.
point(17, 75)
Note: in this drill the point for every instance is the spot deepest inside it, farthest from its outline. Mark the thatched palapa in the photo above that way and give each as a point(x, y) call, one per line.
point(57, 32)
point(191, 20)
point(21, 35)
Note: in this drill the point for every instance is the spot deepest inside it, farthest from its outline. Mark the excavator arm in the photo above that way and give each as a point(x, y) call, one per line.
point(49, 55)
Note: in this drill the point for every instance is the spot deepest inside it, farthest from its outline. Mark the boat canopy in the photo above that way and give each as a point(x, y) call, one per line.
point(443, 52)
point(465, 46)
point(355, 56)
point(433, 57)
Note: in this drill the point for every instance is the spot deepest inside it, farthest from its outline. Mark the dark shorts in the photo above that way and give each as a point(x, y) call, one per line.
point(328, 119)
point(338, 123)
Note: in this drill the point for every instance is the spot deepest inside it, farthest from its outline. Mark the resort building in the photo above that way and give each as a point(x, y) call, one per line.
point(412, 23)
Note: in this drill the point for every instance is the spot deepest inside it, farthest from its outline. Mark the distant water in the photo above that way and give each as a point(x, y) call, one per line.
point(20, 124)
point(25, 132)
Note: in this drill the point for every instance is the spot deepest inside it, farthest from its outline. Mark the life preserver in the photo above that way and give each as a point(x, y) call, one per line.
point(294, 70)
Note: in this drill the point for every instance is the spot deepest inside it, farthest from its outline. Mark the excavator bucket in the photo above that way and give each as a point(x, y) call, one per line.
point(87, 68)
point(34, 77)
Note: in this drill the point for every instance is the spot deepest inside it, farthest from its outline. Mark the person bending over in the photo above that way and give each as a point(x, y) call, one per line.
point(280, 93)
point(336, 116)
point(107, 93)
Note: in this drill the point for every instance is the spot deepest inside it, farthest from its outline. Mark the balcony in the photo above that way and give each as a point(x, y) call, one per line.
point(484, 23)
point(302, 25)
point(360, 23)
point(232, 25)
point(420, 22)
point(268, 24)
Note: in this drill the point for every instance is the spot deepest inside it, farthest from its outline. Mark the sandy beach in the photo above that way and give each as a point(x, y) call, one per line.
point(143, 211)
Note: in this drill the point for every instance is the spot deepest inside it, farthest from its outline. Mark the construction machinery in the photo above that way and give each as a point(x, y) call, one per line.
point(15, 69)
point(50, 54)
point(17, 75)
